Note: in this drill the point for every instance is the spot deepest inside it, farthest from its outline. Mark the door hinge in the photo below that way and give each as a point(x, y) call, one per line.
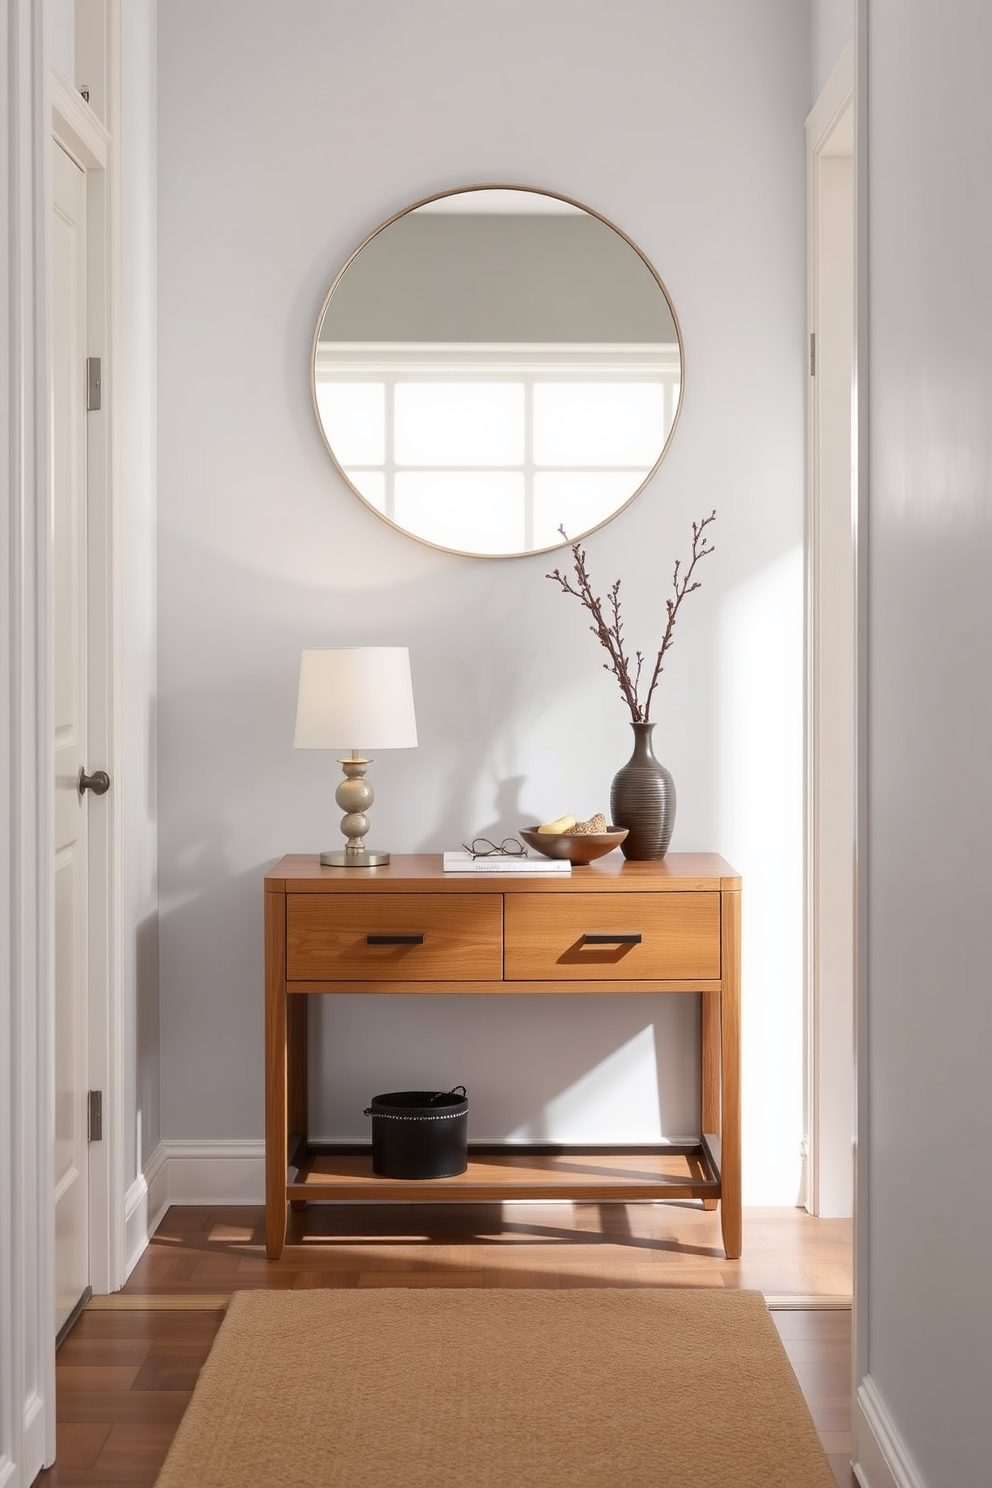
point(94, 1112)
point(93, 384)
point(812, 353)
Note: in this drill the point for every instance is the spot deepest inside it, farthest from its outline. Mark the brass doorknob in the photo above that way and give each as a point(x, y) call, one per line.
point(98, 782)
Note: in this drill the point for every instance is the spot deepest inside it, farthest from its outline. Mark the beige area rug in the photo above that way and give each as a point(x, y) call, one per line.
point(497, 1389)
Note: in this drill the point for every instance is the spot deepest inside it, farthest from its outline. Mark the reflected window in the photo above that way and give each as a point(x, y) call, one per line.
point(498, 458)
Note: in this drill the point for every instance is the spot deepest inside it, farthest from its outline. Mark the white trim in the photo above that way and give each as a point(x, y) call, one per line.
point(27, 1327)
point(215, 1172)
point(138, 1226)
point(35, 1427)
point(90, 142)
point(634, 361)
point(77, 128)
point(838, 92)
point(879, 1458)
point(186, 1172)
point(829, 797)
point(862, 501)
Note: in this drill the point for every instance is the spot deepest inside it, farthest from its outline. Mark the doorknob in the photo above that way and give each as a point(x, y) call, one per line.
point(98, 782)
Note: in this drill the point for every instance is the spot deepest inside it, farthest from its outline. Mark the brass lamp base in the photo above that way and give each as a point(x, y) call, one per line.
point(354, 795)
point(363, 857)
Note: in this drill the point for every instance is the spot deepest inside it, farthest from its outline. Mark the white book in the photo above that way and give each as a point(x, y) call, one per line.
point(463, 862)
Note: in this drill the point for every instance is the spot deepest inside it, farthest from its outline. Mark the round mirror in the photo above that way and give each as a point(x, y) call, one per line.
point(495, 366)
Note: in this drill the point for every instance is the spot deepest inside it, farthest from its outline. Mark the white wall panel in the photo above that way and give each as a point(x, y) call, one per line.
point(926, 1124)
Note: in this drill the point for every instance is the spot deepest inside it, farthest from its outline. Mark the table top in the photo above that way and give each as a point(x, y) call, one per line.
point(302, 873)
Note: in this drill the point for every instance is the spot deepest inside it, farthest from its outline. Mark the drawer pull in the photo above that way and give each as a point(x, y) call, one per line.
point(632, 939)
point(394, 939)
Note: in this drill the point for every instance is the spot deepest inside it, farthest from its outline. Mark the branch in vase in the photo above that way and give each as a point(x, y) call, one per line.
point(610, 634)
point(701, 548)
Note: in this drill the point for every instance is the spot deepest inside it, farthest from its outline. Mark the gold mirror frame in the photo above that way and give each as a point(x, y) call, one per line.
point(568, 203)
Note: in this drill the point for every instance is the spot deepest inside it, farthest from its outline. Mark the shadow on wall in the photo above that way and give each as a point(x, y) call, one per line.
point(475, 705)
point(570, 1067)
point(458, 808)
point(211, 1002)
point(229, 678)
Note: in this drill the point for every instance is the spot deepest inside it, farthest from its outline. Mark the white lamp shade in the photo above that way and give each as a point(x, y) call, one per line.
point(357, 697)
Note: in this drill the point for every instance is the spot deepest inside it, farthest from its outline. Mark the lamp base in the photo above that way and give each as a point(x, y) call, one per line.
point(363, 857)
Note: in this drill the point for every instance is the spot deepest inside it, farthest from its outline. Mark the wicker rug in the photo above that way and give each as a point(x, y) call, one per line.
point(497, 1389)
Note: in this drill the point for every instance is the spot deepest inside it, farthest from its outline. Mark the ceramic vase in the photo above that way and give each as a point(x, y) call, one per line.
point(642, 799)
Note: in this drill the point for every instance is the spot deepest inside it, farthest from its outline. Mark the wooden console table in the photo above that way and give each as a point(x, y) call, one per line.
point(614, 926)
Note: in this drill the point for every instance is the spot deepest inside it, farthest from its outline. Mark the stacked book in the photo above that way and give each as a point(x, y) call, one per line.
point(464, 862)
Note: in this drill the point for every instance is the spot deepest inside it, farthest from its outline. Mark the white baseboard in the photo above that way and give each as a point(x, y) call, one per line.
point(190, 1173)
point(214, 1172)
point(34, 1436)
point(136, 1223)
point(879, 1457)
point(30, 1449)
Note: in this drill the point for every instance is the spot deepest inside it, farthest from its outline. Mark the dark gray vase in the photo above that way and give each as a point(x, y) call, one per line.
point(642, 799)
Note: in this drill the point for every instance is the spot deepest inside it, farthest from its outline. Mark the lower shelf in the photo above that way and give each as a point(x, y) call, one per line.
point(682, 1171)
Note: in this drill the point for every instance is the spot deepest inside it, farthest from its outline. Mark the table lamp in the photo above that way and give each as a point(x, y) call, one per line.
point(357, 697)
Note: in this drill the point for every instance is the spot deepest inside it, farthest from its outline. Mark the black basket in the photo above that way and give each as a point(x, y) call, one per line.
point(419, 1133)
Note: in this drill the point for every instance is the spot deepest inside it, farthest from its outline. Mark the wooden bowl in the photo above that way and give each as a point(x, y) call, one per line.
point(578, 847)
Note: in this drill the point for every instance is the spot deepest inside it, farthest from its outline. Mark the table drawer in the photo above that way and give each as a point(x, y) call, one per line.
point(360, 937)
point(581, 937)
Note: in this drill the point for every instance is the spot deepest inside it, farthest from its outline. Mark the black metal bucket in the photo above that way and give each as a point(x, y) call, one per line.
point(419, 1133)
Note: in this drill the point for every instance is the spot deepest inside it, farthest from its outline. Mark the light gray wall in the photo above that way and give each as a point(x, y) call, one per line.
point(61, 22)
point(832, 28)
point(285, 135)
point(135, 389)
point(926, 1125)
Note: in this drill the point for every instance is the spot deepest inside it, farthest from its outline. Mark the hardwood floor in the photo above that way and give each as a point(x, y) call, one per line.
point(126, 1370)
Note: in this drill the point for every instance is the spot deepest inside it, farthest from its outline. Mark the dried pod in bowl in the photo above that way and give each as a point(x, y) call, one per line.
point(591, 828)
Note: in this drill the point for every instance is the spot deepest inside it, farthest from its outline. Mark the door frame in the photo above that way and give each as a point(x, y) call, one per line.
point(27, 1296)
point(825, 1141)
point(76, 128)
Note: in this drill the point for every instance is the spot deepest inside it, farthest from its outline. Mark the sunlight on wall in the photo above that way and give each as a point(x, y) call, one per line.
point(616, 1096)
point(761, 789)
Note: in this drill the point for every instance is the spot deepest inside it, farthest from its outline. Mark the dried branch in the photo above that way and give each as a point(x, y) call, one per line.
point(608, 627)
point(609, 636)
point(701, 548)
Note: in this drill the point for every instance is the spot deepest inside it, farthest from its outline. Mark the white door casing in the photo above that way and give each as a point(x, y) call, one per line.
point(88, 143)
point(830, 891)
point(70, 743)
point(27, 1355)
point(27, 1332)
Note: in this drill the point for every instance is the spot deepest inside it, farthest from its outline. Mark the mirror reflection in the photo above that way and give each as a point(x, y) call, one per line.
point(495, 364)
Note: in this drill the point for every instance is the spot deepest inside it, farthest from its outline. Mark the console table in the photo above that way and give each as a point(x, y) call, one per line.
point(409, 927)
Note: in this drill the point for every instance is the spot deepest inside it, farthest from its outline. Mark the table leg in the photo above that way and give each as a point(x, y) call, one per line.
point(276, 1113)
point(730, 1070)
point(710, 1072)
point(297, 1019)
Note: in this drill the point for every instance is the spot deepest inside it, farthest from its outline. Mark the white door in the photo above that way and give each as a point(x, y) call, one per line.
point(69, 286)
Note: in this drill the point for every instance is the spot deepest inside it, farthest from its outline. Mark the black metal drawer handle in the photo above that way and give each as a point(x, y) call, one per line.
point(394, 940)
point(633, 939)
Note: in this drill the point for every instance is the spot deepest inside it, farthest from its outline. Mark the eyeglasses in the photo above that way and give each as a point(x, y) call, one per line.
point(483, 848)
